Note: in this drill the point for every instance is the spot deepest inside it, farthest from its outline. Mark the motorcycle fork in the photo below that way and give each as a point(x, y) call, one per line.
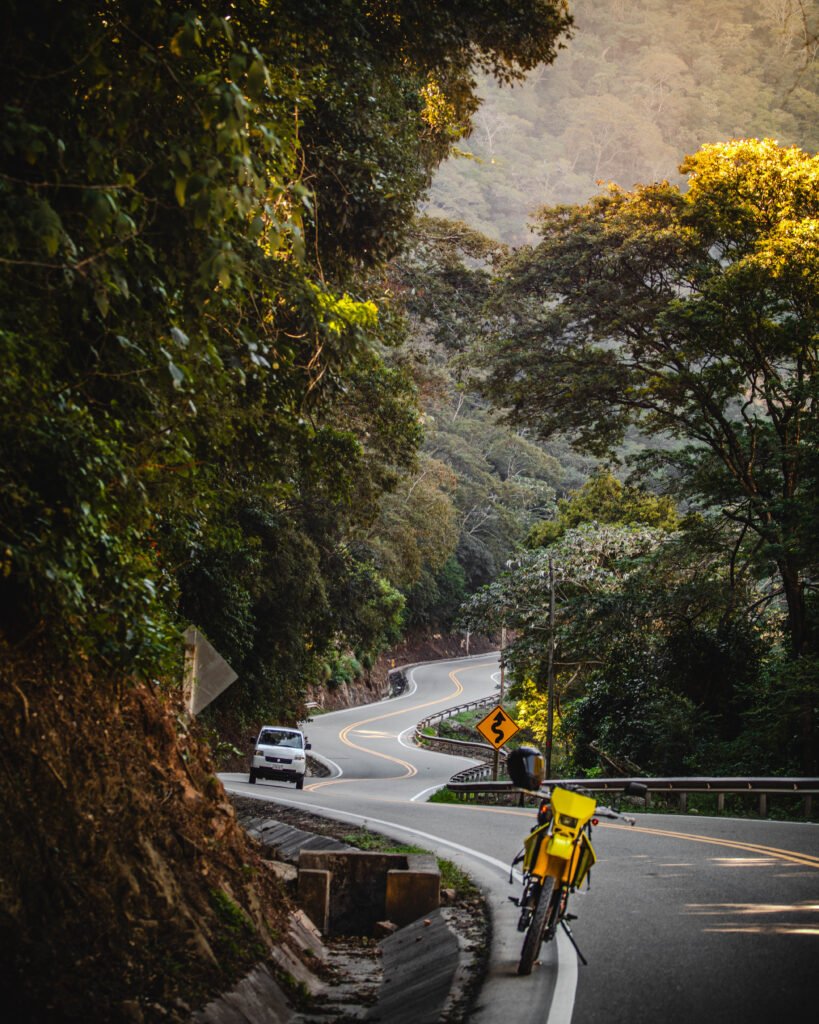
point(527, 903)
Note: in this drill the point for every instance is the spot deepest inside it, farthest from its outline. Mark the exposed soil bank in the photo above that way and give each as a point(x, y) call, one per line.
point(128, 890)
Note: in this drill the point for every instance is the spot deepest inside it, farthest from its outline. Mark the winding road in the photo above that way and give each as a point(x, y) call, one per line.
point(688, 918)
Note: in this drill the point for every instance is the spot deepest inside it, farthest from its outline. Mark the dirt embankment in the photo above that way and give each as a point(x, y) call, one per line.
point(416, 647)
point(128, 891)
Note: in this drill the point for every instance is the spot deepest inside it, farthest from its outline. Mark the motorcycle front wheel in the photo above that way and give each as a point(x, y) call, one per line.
point(534, 934)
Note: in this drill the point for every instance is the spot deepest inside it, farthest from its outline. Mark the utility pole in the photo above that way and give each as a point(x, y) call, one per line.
point(496, 757)
point(550, 676)
point(503, 649)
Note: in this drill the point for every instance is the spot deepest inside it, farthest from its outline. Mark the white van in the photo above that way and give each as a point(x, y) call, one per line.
point(280, 754)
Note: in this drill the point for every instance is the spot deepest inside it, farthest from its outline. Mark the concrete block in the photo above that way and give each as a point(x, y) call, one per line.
point(367, 887)
point(359, 883)
point(313, 896)
point(411, 894)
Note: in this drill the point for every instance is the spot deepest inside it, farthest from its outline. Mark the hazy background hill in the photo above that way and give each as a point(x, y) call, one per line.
point(642, 83)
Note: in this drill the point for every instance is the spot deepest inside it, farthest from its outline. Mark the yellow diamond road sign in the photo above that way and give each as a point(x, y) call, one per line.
point(498, 727)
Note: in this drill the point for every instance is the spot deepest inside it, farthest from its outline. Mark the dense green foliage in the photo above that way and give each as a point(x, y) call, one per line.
point(640, 83)
point(197, 420)
point(605, 499)
point(662, 661)
point(212, 409)
point(693, 315)
point(491, 482)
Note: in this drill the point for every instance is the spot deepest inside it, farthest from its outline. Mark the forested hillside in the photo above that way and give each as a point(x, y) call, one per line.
point(640, 84)
point(492, 481)
point(663, 320)
point(199, 417)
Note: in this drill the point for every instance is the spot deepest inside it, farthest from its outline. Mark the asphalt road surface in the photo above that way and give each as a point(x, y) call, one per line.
point(688, 918)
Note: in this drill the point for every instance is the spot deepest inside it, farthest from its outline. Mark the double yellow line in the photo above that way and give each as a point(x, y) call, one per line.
point(807, 860)
point(408, 769)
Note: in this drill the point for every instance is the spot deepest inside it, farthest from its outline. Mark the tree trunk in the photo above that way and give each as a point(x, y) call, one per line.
point(800, 648)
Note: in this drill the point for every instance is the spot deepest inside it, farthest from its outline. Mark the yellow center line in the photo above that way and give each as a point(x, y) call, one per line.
point(803, 859)
point(409, 769)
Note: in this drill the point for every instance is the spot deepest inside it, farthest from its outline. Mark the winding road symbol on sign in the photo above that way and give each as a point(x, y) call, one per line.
point(497, 727)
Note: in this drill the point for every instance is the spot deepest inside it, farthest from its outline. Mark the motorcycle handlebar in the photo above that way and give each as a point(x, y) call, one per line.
point(601, 811)
point(607, 812)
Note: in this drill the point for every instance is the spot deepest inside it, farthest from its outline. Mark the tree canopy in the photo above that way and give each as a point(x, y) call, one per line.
point(639, 83)
point(196, 416)
point(500, 479)
point(693, 314)
point(605, 499)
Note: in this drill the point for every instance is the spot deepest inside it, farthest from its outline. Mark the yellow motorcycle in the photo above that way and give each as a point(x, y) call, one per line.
point(557, 854)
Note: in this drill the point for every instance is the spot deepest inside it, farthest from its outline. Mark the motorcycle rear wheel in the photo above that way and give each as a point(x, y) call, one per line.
point(534, 934)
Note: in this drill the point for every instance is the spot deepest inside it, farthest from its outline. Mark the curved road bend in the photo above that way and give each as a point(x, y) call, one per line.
point(686, 917)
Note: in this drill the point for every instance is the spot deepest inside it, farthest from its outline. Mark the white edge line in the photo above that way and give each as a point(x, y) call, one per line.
point(562, 1005)
point(563, 998)
point(410, 671)
point(334, 812)
point(410, 690)
point(403, 742)
point(429, 789)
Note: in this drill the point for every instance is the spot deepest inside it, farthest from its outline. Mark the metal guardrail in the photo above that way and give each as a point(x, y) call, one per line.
point(467, 748)
point(439, 716)
point(476, 780)
point(762, 788)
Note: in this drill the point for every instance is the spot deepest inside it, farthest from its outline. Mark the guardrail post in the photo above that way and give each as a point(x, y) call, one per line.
point(763, 805)
point(808, 805)
point(720, 803)
point(683, 803)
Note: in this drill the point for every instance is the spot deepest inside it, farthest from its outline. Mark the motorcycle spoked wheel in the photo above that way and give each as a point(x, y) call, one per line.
point(537, 927)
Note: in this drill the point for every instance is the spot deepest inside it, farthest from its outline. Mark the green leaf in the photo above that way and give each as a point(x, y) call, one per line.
point(256, 79)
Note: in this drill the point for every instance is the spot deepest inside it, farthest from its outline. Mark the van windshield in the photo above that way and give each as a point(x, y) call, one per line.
point(279, 738)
